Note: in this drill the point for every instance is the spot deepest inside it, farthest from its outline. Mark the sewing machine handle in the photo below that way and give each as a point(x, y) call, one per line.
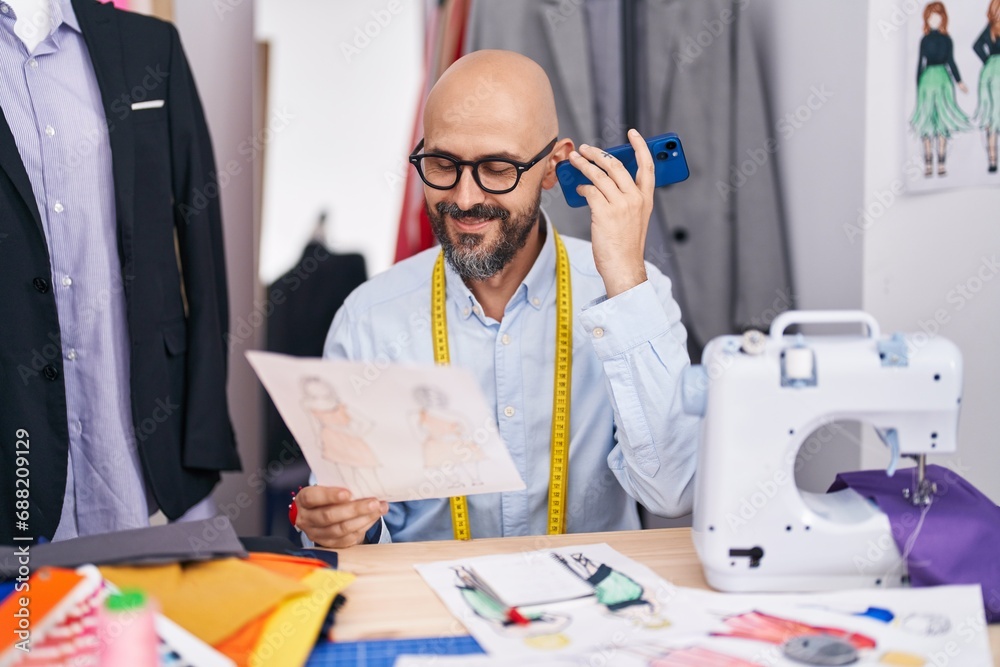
point(790, 317)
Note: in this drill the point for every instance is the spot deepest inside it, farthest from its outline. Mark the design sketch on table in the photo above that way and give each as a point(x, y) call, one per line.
point(662, 656)
point(339, 431)
point(937, 114)
point(799, 641)
point(539, 629)
point(446, 442)
point(620, 594)
point(987, 48)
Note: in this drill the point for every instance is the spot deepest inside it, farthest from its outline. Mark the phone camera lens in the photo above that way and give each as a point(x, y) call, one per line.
point(671, 145)
point(662, 155)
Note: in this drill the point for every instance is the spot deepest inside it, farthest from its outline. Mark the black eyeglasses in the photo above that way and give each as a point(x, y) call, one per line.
point(494, 175)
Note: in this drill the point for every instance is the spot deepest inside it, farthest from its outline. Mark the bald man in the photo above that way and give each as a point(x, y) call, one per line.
point(485, 160)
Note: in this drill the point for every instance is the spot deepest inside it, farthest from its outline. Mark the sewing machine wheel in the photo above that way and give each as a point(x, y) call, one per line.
point(820, 650)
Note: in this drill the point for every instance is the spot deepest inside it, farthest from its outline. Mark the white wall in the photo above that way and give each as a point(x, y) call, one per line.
point(218, 39)
point(342, 105)
point(923, 249)
point(815, 87)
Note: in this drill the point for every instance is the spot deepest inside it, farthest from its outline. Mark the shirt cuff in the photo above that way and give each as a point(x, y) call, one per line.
point(618, 324)
point(374, 534)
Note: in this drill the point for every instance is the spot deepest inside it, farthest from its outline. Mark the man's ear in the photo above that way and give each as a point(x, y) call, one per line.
point(561, 152)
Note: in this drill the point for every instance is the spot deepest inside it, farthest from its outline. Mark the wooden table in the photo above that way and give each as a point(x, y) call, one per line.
point(390, 600)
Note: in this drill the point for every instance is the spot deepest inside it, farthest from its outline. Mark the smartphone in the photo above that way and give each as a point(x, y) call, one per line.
point(668, 160)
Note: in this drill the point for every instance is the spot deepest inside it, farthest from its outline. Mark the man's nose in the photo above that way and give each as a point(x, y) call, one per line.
point(467, 191)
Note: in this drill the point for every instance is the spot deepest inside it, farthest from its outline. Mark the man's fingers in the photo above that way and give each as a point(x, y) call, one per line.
point(645, 177)
point(592, 194)
point(597, 176)
point(311, 497)
point(342, 512)
point(611, 165)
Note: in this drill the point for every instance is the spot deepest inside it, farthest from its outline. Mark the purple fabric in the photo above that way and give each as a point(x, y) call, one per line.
point(959, 537)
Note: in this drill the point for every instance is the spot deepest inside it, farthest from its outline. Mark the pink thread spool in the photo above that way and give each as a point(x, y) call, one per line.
point(127, 632)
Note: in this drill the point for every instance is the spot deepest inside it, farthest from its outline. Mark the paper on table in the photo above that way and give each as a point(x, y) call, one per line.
point(525, 582)
point(636, 619)
point(393, 432)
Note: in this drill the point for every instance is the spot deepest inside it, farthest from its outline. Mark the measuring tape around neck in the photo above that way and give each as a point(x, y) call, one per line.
point(562, 383)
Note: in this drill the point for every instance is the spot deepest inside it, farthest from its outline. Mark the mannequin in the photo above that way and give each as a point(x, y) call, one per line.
point(34, 21)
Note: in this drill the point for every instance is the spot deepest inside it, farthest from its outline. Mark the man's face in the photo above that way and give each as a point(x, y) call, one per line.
point(480, 232)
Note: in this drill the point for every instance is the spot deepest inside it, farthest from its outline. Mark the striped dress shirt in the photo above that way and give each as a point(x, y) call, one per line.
point(52, 103)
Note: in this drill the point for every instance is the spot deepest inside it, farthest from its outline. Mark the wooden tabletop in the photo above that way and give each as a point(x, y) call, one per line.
point(390, 600)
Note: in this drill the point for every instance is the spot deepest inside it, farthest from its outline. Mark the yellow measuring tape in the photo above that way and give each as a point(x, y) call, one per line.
point(559, 462)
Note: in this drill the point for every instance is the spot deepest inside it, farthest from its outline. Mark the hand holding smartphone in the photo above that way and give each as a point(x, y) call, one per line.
point(668, 160)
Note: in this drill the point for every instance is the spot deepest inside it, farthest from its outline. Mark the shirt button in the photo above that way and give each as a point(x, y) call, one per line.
point(71, 355)
point(4, 9)
point(536, 301)
point(78, 427)
point(41, 284)
point(58, 208)
point(505, 339)
point(466, 311)
point(33, 63)
point(598, 332)
point(508, 411)
point(49, 130)
point(67, 281)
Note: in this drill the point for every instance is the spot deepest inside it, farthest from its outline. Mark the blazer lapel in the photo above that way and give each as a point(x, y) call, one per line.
point(10, 162)
point(101, 31)
point(567, 36)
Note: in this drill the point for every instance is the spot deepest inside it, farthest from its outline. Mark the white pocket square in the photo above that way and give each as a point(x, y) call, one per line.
point(150, 104)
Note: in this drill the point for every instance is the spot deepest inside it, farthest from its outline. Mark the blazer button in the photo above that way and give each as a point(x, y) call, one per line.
point(41, 284)
point(51, 372)
point(680, 235)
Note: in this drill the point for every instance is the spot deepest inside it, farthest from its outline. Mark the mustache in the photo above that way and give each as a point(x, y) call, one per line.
point(477, 212)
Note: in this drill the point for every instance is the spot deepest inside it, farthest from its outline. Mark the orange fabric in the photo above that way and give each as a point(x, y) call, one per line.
point(296, 567)
point(238, 646)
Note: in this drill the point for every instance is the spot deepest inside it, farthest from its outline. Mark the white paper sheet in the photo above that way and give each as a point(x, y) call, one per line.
point(669, 625)
point(393, 432)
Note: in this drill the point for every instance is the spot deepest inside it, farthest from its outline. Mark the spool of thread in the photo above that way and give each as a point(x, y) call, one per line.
point(127, 631)
point(799, 363)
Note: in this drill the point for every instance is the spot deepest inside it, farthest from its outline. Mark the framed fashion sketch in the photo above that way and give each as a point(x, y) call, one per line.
point(952, 100)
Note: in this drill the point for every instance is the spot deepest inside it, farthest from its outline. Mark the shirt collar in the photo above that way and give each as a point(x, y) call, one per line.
point(62, 12)
point(535, 287)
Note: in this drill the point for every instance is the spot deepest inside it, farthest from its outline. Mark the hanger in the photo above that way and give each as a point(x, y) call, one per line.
point(319, 231)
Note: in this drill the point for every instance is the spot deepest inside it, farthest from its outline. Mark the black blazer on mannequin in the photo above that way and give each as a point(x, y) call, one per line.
point(165, 193)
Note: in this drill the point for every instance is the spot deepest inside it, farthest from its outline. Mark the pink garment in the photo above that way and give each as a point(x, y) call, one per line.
point(340, 443)
point(445, 443)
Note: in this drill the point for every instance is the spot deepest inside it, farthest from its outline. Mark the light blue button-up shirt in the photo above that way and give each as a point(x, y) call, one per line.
point(52, 103)
point(629, 437)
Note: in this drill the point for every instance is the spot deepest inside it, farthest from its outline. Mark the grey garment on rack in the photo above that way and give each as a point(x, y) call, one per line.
point(721, 235)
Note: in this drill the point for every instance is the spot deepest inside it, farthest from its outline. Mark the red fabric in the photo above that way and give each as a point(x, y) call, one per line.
point(444, 44)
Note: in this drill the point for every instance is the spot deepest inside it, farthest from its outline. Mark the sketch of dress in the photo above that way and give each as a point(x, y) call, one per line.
point(340, 432)
point(535, 624)
point(619, 593)
point(446, 444)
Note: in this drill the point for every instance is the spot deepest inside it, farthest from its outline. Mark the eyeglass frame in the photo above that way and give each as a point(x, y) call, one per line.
point(521, 167)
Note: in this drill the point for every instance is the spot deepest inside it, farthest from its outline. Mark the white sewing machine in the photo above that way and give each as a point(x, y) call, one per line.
point(760, 398)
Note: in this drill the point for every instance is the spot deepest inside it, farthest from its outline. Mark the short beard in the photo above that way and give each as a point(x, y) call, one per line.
point(467, 255)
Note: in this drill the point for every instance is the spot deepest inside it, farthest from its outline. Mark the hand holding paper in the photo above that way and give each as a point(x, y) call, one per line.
point(331, 518)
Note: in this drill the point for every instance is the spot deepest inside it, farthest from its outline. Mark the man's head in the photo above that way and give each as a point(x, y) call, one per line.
point(490, 104)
